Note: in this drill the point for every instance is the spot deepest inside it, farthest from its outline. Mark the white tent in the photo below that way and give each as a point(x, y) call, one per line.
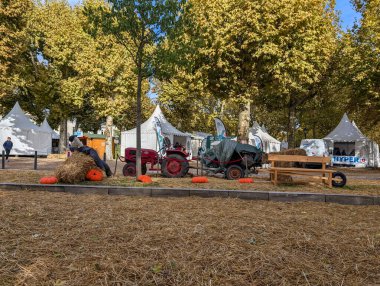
point(149, 137)
point(46, 127)
point(351, 147)
point(54, 136)
point(196, 141)
point(269, 143)
point(25, 135)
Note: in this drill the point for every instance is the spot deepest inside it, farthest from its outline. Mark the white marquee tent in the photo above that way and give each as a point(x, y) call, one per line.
point(54, 136)
point(46, 127)
point(149, 137)
point(25, 135)
point(351, 147)
point(270, 144)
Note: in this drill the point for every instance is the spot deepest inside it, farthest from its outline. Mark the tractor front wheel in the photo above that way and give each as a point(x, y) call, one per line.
point(174, 166)
point(129, 169)
point(234, 172)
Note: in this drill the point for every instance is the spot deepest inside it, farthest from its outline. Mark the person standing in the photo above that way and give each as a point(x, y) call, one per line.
point(8, 145)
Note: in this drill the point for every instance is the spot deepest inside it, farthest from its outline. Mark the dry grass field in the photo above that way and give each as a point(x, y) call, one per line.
point(65, 239)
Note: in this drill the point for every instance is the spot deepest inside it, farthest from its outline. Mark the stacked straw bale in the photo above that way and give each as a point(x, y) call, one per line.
point(75, 168)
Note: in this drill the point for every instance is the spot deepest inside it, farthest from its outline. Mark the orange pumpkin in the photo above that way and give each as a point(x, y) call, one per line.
point(246, 180)
point(145, 179)
point(199, 180)
point(48, 180)
point(94, 175)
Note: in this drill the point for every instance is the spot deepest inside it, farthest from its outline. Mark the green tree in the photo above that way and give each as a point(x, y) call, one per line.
point(361, 62)
point(273, 54)
point(139, 26)
point(14, 49)
point(60, 40)
point(106, 69)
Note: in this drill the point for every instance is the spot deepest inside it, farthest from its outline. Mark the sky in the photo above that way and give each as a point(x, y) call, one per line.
point(348, 14)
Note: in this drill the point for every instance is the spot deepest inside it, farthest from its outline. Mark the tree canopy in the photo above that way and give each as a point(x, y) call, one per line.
point(286, 61)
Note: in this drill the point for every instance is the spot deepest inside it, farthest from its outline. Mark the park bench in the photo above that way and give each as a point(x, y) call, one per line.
point(329, 177)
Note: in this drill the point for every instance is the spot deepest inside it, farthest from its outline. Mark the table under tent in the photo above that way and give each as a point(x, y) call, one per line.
point(26, 136)
point(258, 136)
point(149, 135)
point(54, 136)
point(350, 147)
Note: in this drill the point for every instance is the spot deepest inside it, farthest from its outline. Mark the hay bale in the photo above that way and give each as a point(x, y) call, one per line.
point(285, 178)
point(295, 151)
point(75, 168)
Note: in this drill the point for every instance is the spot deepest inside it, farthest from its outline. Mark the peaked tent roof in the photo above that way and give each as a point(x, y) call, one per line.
point(16, 118)
point(264, 129)
point(257, 130)
point(346, 131)
point(167, 128)
point(46, 127)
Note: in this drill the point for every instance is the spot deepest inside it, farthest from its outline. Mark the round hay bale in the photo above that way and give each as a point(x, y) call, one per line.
point(75, 168)
point(284, 178)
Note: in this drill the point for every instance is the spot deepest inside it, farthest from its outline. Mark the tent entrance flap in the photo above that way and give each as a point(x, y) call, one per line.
point(181, 140)
point(344, 148)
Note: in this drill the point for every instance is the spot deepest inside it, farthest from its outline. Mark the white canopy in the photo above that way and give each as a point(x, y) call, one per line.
point(346, 132)
point(148, 133)
point(361, 151)
point(46, 127)
point(270, 144)
point(25, 135)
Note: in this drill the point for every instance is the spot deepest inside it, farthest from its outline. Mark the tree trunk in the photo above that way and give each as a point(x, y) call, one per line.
point(138, 116)
point(244, 118)
point(314, 125)
point(63, 135)
point(109, 137)
point(292, 125)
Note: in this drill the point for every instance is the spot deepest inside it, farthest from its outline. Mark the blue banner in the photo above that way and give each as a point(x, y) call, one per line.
point(348, 160)
point(220, 128)
point(160, 136)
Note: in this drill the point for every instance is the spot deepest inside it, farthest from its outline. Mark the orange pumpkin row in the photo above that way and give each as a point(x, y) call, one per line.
point(94, 175)
point(48, 180)
point(145, 179)
point(246, 180)
point(199, 180)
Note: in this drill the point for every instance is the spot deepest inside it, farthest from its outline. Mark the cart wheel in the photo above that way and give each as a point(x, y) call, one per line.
point(129, 169)
point(342, 177)
point(234, 172)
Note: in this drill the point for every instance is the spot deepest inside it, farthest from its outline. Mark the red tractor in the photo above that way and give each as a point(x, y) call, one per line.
point(173, 165)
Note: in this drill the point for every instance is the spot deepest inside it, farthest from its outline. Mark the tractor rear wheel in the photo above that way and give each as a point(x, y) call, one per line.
point(174, 166)
point(129, 169)
point(234, 172)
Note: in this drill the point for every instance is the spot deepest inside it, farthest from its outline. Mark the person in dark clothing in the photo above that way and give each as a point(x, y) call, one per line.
point(77, 145)
point(8, 145)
